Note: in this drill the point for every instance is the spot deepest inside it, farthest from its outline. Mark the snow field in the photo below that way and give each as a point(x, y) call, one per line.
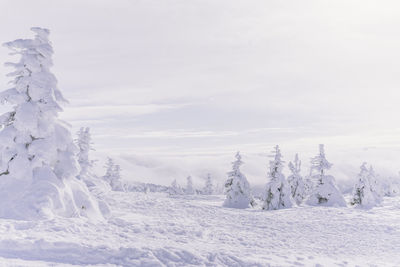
point(158, 230)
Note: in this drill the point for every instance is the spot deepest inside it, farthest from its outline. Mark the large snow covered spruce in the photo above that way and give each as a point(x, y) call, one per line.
point(37, 154)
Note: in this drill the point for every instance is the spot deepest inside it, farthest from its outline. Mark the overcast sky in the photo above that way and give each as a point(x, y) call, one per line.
point(208, 77)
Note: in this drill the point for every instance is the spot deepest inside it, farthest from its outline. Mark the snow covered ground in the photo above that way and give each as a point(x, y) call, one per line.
point(158, 230)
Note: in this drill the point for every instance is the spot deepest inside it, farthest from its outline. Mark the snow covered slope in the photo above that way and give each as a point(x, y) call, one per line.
point(157, 230)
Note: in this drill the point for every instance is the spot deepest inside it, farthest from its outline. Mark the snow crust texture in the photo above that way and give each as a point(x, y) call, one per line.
point(194, 230)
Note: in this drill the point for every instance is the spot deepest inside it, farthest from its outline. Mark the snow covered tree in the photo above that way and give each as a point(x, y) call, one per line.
point(189, 186)
point(362, 193)
point(277, 193)
point(208, 187)
point(98, 187)
point(109, 166)
point(113, 176)
point(237, 188)
point(85, 145)
point(116, 183)
point(37, 153)
point(387, 186)
point(325, 191)
point(295, 180)
point(376, 186)
point(175, 188)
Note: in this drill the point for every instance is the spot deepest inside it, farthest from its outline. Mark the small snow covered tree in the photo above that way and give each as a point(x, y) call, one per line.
point(208, 187)
point(189, 186)
point(237, 188)
point(376, 186)
point(113, 176)
point(295, 180)
point(277, 192)
point(109, 166)
point(362, 192)
point(96, 185)
point(175, 188)
point(325, 191)
point(116, 183)
point(37, 153)
point(85, 145)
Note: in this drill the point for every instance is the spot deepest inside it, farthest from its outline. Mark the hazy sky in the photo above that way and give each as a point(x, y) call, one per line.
point(212, 77)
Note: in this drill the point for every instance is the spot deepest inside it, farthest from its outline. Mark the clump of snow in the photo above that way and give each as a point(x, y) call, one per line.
point(325, 192)
point(37, 162)
point(237, 188)
point(277, 192)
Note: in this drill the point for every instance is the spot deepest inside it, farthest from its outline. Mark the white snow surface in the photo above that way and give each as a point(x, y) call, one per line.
point(156, 229)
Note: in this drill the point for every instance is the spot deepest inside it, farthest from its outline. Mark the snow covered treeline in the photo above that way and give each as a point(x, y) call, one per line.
point(208, 189)
point(318, 189)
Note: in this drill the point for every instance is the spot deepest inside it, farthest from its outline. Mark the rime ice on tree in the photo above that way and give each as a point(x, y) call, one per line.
point(363, 195)
point(85, 145)
point(189, 186)
point(376, 186)
point(325, 192)
point(38, 166)
point(295, 180)
point(113, 176)
point(208, 187)
point(237, 188)
point(277, 192)
point(175, 188)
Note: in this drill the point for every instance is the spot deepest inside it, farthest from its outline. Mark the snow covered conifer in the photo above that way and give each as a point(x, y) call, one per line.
point(175, 188)
point(295, 180)
point(37, 160)
point(189, 186)
point(208, 188)
point(325, 191)
point(237, 188)
point(277, 192)
point(113, 176)
point(85, 145)
point(362, 192)
point(109, 166)
point(376, 186)
point(116, 183)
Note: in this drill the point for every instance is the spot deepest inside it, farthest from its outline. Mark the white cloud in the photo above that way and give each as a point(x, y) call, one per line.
point(209, 77)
